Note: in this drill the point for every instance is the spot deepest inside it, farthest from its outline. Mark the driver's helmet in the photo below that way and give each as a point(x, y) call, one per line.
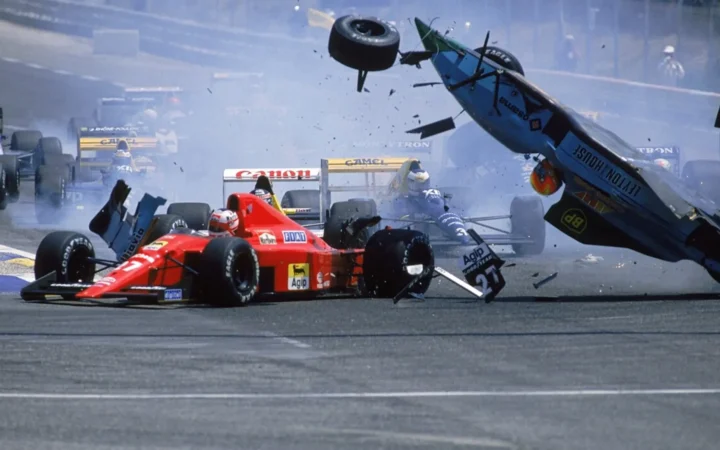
point(664, 163)
point(418, 180)
point(223, 222)
point(545, 179)
point(122, 161)
point(263, 194)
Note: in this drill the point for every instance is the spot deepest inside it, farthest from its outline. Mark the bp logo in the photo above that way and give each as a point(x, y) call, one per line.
point(574, 220)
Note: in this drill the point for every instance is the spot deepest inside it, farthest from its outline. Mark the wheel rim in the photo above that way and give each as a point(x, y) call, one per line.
point(78, 265)
point(368, 28)
point(243, 272)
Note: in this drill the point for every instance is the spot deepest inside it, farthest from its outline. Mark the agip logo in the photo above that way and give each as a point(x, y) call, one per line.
point(574, 220)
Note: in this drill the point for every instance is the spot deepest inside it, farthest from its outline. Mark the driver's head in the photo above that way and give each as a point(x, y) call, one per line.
point(545, 179)
point(263, 194)
point(418, 180)
point(223, 222)
point(122, 146)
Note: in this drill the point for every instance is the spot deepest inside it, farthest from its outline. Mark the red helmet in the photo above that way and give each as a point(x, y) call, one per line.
point(545, 179)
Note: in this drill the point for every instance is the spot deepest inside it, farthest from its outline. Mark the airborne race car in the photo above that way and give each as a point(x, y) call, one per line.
point(160, 260)
point(615, 195)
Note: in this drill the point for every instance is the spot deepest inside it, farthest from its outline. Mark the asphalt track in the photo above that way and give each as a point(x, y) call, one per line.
point(597, 365)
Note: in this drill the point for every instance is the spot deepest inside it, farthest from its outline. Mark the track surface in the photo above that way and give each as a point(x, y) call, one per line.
point(588, 372)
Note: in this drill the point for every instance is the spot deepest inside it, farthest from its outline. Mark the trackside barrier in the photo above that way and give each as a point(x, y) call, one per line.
point(221, 46)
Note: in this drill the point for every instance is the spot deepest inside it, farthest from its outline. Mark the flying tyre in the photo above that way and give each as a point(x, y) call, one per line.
point(366, 44)
point(69, 255)
point(396, 260)
point(527, 219)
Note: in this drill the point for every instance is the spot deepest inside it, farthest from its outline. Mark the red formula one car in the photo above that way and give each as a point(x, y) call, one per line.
point(270, 254)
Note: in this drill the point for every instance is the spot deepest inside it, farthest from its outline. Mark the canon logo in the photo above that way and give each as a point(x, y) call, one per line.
point(278, 174)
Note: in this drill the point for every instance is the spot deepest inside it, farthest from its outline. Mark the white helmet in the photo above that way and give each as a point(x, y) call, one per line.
point(669, 50)
point(418, 181)
point(664, 163)
point(223, 222)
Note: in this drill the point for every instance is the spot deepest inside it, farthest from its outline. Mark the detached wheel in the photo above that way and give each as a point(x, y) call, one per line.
point(504, 58)
point(196, 215)
point(334, 230)
point(12, 177)
point(364, 43)
point(66, 253)
point(391, 259)
point(229, 272)
point(527, 219)
point(164, 225)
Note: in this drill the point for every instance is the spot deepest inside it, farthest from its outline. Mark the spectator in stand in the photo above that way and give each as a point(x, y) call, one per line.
point(670, 70)
point(567, 56)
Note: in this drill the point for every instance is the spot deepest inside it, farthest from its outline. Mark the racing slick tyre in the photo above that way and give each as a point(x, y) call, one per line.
point(11, 171)
point(67, 254)
point(301, 198)
point(196, 215)
point(527, 219)
point(50, 193)
point(388, 256)
point(25, 140)
point(164, 225)
point(364, 43)
point(335, 232)
point(229, 272)
point(504, 58)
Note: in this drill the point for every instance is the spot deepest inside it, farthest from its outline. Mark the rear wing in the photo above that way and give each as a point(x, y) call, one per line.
point(368, 166)
point(276, 175)
point(96, 144)
point(671, 154)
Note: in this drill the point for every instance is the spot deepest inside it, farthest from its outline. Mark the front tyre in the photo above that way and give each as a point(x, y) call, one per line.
point(229, 272)
point(364, 43)
point(527, 220)
point(394, 258)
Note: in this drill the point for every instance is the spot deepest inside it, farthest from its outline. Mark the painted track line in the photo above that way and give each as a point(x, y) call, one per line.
point(14, 251)
point(365, 395)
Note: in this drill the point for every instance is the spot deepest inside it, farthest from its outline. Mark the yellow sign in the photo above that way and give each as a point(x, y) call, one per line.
point(298, 277)
point(110, 143)
point(365, 164)
point(157, 245)
point(575, 220)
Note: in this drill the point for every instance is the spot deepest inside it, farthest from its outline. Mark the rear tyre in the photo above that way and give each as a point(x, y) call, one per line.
point(301, 198)
point(196, 215)
point(66, 253)
point(388, 255)
point(164, 225)
point(364, 43)
point(341, 213)
point(50, 191)
point(25, 140)
point(229, 272)
point(527, 219)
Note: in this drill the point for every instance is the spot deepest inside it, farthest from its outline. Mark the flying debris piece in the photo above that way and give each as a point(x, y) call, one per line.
point(434, 128)
point(415, 58)
point(416, 116)
point(545, 280)
point(392, 91)
point(431, 83)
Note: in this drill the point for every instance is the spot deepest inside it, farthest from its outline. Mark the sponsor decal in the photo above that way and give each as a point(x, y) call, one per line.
point(274, 174)
point(117, 141)
point(147, 258)
point(593, 193)
point(155, 246)
point(71, 285)
point(298, 277)
point(574, 220)
point(535, 124)
point(658, 150)
point(172, 294)
point(611, 174)
point(291, 211)
point(593, 202)
point(478, 257)
point(393, 144)
point(267, 238)
point(365, 162)
point(516, 110)
point(134, 241)
point(105, 281)
point(294, 237)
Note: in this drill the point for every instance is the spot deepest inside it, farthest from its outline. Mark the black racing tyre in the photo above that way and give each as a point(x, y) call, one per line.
point(334, 230)
point(25, 140)
point(229, 272)
point(704, 177)
point(12, 177)
point(66, 253)
point(301, 198)
point(50, 192)
point(164, 225)
point(196, 215)
point(388, 255)
point(364, 43)
point(46, 176)
point(503, 57)
point(527, 219)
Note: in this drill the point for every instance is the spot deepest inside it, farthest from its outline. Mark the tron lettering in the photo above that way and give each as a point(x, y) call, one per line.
point(518, 112)
point(276, 174)
point(365, 162)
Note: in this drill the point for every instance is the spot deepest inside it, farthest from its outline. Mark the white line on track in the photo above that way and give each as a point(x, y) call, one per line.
point(286, 340)
point(10, 60)
point(89, 77)
point(363, 395)
point(14, 251)
point(62, 72)
point(34, 65)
